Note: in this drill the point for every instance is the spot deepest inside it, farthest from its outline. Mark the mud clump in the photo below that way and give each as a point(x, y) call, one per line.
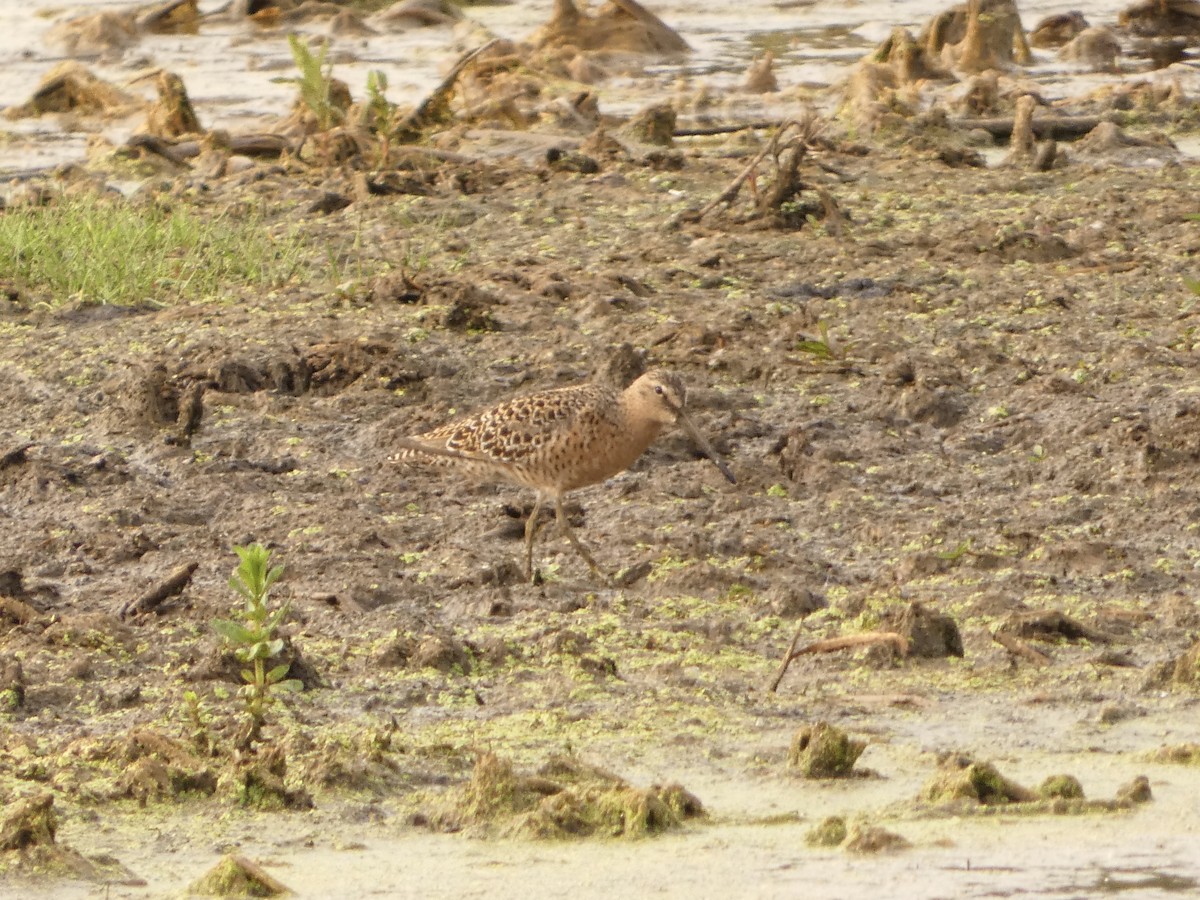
point(823, 751)
point(29, 823)
point(261, 783)
point(653, 125)
point(621, 26)
point(978, 35)
point(565, 799)
point(961, 778)
point(442, 654)
point(930, 634)
point(829, 832)
point(98, 33)
point(69, 87)
point(983, 789)
point(29, 846)
point(1179, 754)
point(172, 114)
point(1066, 787)
point(157, 767)
point(12, 685)
point(236, 876)
point(873, 839)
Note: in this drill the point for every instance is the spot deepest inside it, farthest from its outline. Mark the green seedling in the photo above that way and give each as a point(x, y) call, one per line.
point(821, 349)
point(315, 82)
point(198, 722)
point(379, 112)
point(253, 639)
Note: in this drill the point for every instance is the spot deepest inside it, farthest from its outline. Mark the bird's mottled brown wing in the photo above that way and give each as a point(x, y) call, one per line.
point(517, 430)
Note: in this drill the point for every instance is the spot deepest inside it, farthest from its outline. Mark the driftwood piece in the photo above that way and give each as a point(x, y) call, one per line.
point(433, 107)
point(774, 146)
point(1018, 647)
point(240, 145)
point(832, 645)
point(170, 587)
point(731, 128)
point(1057, 127)
point(1050, 624)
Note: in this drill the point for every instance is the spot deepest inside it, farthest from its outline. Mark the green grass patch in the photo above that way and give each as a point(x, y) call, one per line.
point(99, 251)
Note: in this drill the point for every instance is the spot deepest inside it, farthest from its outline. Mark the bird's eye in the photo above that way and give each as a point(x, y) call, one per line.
point(658, 389)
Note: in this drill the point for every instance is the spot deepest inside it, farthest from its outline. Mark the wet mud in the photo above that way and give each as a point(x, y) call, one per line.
point(952, 366)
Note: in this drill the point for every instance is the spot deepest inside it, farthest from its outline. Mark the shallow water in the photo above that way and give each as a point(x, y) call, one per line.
point(337, 850)
point(233, 70)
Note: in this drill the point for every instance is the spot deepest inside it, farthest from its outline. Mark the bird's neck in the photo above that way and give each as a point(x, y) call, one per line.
point(639, 432)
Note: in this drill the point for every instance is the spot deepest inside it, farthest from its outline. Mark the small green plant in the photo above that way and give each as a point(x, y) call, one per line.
point(253, 639)
point(379, 112)
point(198, 721)
point(821, 349)
point(315, 82)
point(957, 553)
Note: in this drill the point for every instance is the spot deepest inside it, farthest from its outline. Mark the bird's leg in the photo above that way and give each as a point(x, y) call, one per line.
point(531, 530)
point(561, 512)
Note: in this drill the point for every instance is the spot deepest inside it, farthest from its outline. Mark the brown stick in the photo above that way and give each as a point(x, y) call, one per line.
point(418, 119)
point(726, 196)
point(788, 656)
point(1018, 647)
point(733, 128)
point(848, 641)
point(1060, 127)
point(1043, 127)
point(831, 645)
point(150, 601)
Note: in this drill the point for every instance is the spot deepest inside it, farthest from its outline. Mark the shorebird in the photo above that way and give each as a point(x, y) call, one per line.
point(559, 440)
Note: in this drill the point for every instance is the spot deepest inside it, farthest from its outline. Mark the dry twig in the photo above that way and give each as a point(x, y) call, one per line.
point(831, 645)
point(1018, 647)
point(727, 196)
point(150, 601)
point(433, 107)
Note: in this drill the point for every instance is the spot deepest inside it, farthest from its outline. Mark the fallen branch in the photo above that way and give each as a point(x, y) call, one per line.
point(1043, 128)
point(432, 108)
point(270, 145)
point(832, 645)
point(727, 196)
point(1018, 647)
point(150, 601)
point(732, 128)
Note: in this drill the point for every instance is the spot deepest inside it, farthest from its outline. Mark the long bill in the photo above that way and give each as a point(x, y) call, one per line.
point(705, 446)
